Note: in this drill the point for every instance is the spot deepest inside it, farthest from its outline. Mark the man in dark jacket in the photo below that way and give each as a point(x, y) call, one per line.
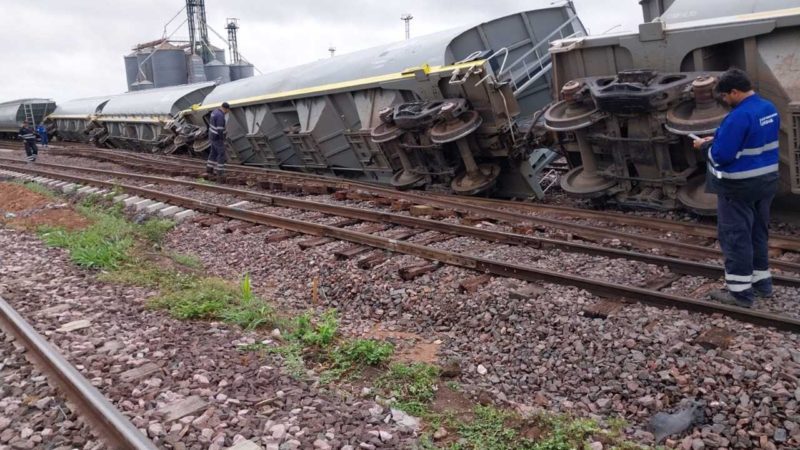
point(743, 172)
point(28, 136)
point(216, 135)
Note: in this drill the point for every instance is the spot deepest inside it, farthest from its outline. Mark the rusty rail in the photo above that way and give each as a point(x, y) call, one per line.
point(598, 287)
point(496, 208)
point(677, 265)
point(104, 419)
point(782, 242)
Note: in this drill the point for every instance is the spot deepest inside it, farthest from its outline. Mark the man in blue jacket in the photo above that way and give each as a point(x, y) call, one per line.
point(216, 135)
point(41, 130)
point(743, 172)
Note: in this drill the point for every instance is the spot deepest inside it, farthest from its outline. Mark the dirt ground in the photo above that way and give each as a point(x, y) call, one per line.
point(412, 348)
point(29, 210)
point(16, 198)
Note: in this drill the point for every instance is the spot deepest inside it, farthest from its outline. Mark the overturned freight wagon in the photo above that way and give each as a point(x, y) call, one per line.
point(439, 109)
point(13, 113)
point(141, 120)
point(74, 120)
point(628, 102)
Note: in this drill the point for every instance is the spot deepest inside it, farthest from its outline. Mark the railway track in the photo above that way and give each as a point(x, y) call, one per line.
point(544, 216)
point(548, 215)
point(611, 217)
point(526, 224)
point(109, 424)
point(427, 251)
point(677, 265)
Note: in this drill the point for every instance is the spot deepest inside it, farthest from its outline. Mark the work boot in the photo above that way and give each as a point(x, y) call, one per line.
point(727, 297)
point(763, 288)
point(762, 294)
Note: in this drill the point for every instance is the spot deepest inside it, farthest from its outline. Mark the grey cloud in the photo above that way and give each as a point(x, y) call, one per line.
point(65, 49)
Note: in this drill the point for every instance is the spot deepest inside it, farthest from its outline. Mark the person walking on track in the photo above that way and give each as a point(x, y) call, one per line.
point(28, 136)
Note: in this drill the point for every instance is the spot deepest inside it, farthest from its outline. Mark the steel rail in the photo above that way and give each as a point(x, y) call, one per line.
point(642, 242)
point(677, 265)
point(701, 230)
point(116, 430)
point(485, 205)
point(598, 287)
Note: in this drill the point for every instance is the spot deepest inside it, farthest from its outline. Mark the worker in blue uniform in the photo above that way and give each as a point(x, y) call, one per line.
point(216, 135)
point(42, 131)
point(742, 163)
point(28, 136)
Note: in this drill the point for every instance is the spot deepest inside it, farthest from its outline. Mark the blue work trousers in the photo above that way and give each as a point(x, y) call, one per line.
point(217, 157)
point(31, 151)
point(743, 228)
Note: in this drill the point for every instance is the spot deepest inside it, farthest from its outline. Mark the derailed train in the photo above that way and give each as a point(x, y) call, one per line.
point(472, 108)
point(440, 109)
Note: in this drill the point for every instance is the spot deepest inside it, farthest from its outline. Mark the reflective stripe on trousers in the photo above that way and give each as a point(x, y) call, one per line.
point(743, 231)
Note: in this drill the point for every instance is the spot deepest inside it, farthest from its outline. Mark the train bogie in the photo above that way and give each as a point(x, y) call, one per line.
point(634, 147)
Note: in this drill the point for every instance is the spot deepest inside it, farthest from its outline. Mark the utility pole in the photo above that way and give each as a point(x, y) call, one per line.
point(407, 19)
point(332, 49)
point(198, 29)
point(233, 44)
point(190, 19)
point(202, 27)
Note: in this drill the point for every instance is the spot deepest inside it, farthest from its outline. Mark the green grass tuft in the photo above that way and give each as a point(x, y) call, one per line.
point(319, 334)
point(190, 297)
point(155, 230)
point(250, 315)
point(139, 273)
point(206, 298)
point(103, 245)
point(489, 430)
point(38, 189)
point(91, 201)
point(413, 386)
point(453, 386)
point(363, 352)
point(292, 354)
point(352, 356)
point(496, 429)
point(190, 261)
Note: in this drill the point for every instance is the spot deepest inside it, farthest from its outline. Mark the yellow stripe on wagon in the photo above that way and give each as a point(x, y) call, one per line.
point(406, 74)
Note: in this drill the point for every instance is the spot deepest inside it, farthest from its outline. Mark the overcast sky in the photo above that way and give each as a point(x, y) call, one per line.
point(65, 49)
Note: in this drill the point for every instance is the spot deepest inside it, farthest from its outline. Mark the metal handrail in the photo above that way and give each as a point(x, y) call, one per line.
point(547, 40)
point(533, 79)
